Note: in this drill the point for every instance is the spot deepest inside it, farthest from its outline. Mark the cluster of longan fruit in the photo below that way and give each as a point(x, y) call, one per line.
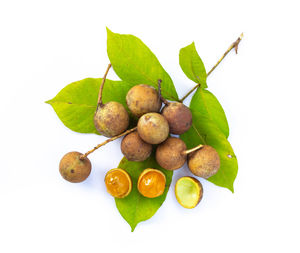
point(154, 130)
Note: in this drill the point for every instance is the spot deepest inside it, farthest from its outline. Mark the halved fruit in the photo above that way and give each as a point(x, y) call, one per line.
point(151, 183)
point(188, 191)
point(118, 183)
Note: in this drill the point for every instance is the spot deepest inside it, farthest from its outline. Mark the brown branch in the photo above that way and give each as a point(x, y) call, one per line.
point(107, 141)
point(235, 46)
point(99, 102)
point(159, 93)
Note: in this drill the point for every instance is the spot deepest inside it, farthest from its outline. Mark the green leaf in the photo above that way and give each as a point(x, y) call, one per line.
point(76, 104)
point(208, 106)
point(205, 131)
point(192, 65)
point(134, 62)
point(136, 208)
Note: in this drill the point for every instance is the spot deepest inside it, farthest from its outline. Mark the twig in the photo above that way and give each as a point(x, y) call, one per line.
point(99, 102)
point(159, 93)
point(107, 141)
point(234, 45)
point(186, 152)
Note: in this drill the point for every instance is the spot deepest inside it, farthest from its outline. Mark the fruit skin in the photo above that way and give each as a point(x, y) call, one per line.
point(74, 169)
point(200, 195)
point(111, 119)
point(134, 148)
point(204, 162)
point(178, 116)
point(118, 183)
point(151, 183)
point(142, 99)
point(153, 128)
point(168, 154)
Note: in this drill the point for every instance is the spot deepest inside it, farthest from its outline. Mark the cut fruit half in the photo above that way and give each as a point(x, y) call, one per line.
point(151, 183)
point(118, 183)
point(188, 191)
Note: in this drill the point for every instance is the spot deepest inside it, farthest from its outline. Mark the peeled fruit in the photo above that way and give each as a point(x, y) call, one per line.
point(74, 169)
point(151, 183)
point(188, 191)
point(169, 154)
point(153, 128)
point(142, 99)
point(178, 116)
point(204, 162)
point(111, 119)
point(134, 148)
point(118, 183)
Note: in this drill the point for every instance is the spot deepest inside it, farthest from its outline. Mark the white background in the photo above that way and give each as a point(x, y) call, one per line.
point(46, 45)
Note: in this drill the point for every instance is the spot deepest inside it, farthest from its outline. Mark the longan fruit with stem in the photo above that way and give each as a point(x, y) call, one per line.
point(111, 118)
point(74, 168)
point(204, 162)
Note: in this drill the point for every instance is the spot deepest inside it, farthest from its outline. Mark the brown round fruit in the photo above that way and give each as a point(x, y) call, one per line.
point(178, 116)
point(111, 119)
point(142, 99)
point(74, 169)
point(134, 148)
point(188, 191)
point(151, 183)
point(169, 154)
point(153, 128)
point(204, 162)
point(118, 183)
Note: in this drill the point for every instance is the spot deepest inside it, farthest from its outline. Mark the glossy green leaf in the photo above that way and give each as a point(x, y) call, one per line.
point(136, 208)
point(192, 65)
point(134, 62)
point(76, 104)
point(205, 131)
point(209, 107)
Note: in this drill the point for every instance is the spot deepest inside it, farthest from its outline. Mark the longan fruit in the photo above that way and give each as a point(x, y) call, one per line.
point(178, 116)
point(204, 162)
point(74, 169)
point(153, 128)
point(111, 119)
point(134, 148)
point(142, 99)
point(169, 154)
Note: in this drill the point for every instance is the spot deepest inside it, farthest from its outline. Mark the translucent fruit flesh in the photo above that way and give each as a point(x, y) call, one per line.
point(188, 191)
point(118, 183)
point(151, 183)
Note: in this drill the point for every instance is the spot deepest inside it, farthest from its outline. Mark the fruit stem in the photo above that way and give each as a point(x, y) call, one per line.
point(159, 81)
point(107, 141)
point(99, 102)
point(186, 152)
point(234, 45)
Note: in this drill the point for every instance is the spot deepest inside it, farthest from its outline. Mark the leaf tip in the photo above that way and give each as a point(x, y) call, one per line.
point(48, 101)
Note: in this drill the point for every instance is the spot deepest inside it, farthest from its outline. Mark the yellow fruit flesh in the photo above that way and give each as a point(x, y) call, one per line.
point(151, 183)
point(118, 183)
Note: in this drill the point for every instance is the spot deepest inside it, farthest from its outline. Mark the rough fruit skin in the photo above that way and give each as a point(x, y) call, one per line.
point(142, 99)
point(204, 162)
point(73, 169)
point(118, 183)
point(168, 154)
point(134, 148)
point(153, 128)
point(151, 183)
point(178, 116)
point(111, 119)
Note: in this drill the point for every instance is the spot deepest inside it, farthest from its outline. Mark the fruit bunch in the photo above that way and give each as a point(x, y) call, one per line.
point(156, 131)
